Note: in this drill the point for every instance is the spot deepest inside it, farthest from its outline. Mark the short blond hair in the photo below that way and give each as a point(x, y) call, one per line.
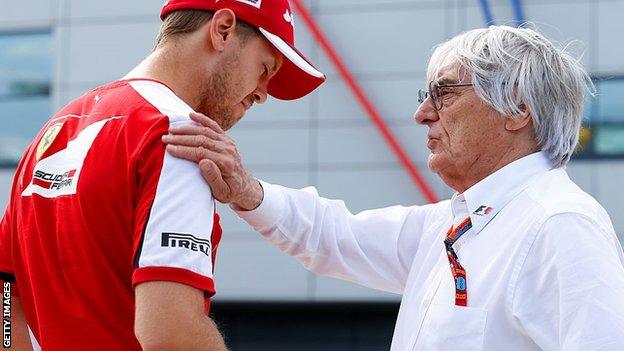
point(182, 22)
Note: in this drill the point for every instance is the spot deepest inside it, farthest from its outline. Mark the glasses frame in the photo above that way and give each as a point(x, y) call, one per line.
point(434, 93)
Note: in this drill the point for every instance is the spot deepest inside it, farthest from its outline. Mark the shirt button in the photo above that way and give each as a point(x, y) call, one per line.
point(426, 303)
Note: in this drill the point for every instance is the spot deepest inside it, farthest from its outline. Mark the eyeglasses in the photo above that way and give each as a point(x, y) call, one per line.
point(434, 92)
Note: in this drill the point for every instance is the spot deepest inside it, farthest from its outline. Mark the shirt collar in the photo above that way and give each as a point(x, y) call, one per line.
point(485, 199)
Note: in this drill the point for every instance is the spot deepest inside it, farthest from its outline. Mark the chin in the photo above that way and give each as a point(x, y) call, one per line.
point(227, 125)
point(437, 163)
point(431, 162)
point(231, 121)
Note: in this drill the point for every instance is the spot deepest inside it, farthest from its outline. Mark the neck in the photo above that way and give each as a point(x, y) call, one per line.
point(485, 165)
point(172, 67)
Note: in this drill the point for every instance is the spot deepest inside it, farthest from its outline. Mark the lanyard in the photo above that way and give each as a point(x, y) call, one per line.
point(459, 273)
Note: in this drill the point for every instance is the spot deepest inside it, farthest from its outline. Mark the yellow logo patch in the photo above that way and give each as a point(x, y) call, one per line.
point(48, 139)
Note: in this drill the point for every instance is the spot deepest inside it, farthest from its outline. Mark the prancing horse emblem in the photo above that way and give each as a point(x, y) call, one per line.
point(48, 139)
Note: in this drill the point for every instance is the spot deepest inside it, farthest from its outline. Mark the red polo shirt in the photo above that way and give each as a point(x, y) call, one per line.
point(97, 206)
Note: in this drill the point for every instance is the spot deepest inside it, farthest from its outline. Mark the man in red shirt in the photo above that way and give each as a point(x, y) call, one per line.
point(105, 234)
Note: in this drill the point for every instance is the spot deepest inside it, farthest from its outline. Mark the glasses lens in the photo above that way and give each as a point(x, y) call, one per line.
point(422, 95)
point(437, 103)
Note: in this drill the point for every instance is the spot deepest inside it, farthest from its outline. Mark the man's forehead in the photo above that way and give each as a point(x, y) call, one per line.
point(449, 73)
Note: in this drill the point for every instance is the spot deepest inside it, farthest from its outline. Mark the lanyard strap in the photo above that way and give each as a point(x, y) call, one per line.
point(459, 273)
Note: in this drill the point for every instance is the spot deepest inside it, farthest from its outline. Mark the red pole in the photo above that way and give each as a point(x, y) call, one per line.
point(370, 109)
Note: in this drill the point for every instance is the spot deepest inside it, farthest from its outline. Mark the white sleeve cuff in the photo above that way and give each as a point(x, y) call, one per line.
point(270, 211)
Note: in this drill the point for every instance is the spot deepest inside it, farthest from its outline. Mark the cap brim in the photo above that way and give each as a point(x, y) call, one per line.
point(297, 77)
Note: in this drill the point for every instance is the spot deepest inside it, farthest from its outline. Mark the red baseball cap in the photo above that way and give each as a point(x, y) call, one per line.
point(297, 77)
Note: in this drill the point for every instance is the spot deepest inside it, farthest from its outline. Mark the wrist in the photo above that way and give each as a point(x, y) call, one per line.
point(252, 198)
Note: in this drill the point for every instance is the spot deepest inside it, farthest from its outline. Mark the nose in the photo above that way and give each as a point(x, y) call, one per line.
point(260, 94)
point(426, 113)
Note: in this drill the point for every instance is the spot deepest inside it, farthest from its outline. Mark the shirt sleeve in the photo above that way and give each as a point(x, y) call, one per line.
point(373, 248)
point(175, 233)
point(6, 266)
point(570, 291)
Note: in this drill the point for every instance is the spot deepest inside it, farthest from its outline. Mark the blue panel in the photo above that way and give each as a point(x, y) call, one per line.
point(610, 101)
point(25, 63)
point(25, 76)
point(487, 12)
point(518, 13)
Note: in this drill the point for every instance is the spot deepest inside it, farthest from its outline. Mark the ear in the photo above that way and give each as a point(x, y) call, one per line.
point(222, 27)
point(519, 121)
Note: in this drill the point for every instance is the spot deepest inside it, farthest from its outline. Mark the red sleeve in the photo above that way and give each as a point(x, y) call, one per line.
point(174, 218)
point(8, 227)
point(6, 264)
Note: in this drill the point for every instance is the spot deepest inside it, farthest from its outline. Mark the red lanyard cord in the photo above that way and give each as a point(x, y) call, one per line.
point(459, 273)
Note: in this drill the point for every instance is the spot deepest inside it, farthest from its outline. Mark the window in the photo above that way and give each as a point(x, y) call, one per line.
point(602, 134)
point(25, 76)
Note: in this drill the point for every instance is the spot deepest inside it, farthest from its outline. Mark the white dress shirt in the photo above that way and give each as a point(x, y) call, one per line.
point(544, 267)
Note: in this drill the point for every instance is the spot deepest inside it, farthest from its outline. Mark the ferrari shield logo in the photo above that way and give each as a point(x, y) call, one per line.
point(48, 139)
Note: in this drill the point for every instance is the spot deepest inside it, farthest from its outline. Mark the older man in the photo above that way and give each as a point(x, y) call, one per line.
point(519, 259)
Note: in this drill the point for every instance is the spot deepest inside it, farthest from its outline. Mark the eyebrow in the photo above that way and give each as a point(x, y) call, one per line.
point(446, 80)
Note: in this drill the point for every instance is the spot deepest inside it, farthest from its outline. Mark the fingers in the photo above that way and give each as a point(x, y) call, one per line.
point(196, 154)
point(190, 153)
point(206, 121)
point(192, 129)
point(182, 146)
point(212, 175)
point(194, 140)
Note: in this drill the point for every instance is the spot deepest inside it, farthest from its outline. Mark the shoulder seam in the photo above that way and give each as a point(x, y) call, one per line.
point(162, 89)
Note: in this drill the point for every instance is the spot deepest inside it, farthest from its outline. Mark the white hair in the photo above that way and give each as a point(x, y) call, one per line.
point(514, 69)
